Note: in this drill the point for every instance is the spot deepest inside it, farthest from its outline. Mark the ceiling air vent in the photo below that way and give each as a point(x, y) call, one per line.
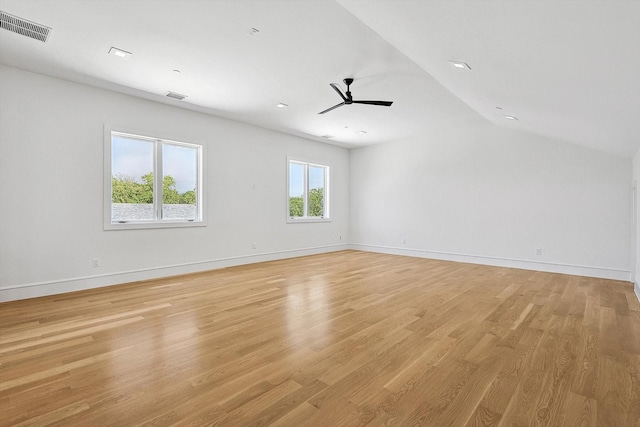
point(177, 96)
point(24, 27)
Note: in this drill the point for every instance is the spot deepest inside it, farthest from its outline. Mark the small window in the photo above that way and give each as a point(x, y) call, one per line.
point(308, 192)
point(152, 182)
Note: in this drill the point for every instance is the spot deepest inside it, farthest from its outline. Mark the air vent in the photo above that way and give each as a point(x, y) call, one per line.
point(177, 96)
point(24, 27)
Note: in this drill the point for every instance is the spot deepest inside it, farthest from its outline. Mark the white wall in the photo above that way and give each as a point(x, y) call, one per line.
point(484, 194)
point(635, 263)
point(493, 195)
point(51, 191)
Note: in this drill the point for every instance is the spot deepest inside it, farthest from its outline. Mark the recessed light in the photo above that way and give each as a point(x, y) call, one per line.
point(461, 65)
point(281, 105)
point(510, 117)
point(362, 132)
point(119, 52)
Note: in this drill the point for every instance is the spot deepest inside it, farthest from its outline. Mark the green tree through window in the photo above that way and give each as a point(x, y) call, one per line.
point(308, 187)
point(124, 189)
point(153, 182)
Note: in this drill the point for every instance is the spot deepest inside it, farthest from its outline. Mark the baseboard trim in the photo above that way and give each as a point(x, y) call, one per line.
point(54, 287)
point(549, 267)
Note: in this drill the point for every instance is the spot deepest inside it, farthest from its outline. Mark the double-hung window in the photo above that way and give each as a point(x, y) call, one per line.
point(152, 182)
point(308, 192)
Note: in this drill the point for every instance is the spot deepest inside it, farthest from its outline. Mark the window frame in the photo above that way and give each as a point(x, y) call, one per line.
point(159, 140)
point(326, 209)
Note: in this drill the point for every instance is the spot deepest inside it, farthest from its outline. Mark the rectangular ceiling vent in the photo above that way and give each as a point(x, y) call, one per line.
point(24, 27)
point(177, 96)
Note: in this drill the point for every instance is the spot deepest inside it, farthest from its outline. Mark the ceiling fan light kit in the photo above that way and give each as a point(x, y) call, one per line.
point(347, 99)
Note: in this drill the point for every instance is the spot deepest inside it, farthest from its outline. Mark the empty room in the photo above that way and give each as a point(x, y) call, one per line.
point(319, 213)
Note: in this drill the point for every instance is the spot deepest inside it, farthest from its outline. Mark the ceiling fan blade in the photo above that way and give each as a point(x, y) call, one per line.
point(337, 89)
point(382, 103)
point(332, 108)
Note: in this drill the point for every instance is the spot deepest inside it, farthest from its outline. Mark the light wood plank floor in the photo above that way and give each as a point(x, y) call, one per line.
point(347, 338)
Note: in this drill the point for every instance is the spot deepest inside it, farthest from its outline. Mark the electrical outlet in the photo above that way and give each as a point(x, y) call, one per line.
point(95, 262)
point(538, 251)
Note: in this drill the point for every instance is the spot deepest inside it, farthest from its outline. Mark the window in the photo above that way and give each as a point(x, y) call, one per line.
point(308, 192)
point(151, 182)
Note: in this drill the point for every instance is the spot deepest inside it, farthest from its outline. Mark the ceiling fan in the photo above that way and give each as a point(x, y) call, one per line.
point(348, 100)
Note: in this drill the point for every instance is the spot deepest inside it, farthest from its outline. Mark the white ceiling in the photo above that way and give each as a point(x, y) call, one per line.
point(567, 69)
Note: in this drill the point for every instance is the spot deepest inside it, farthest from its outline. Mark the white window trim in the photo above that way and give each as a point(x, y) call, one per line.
point(108, 225)
point(327, 192)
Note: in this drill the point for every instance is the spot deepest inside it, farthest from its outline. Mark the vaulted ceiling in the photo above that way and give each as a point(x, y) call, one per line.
point(565, 69)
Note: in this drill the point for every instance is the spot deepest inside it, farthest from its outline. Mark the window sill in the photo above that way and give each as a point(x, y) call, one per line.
point(151, 225)
point(302, 219)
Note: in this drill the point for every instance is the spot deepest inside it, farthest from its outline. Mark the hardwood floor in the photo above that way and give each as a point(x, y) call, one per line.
point(347, 338)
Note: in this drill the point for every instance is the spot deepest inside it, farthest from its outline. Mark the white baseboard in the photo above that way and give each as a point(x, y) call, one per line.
point(33, 290)
point(576, 270)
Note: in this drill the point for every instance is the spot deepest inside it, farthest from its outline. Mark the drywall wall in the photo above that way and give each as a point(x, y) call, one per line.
point(51, 191)
point(479, 194)
point(493, 195)
point(635, 251)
